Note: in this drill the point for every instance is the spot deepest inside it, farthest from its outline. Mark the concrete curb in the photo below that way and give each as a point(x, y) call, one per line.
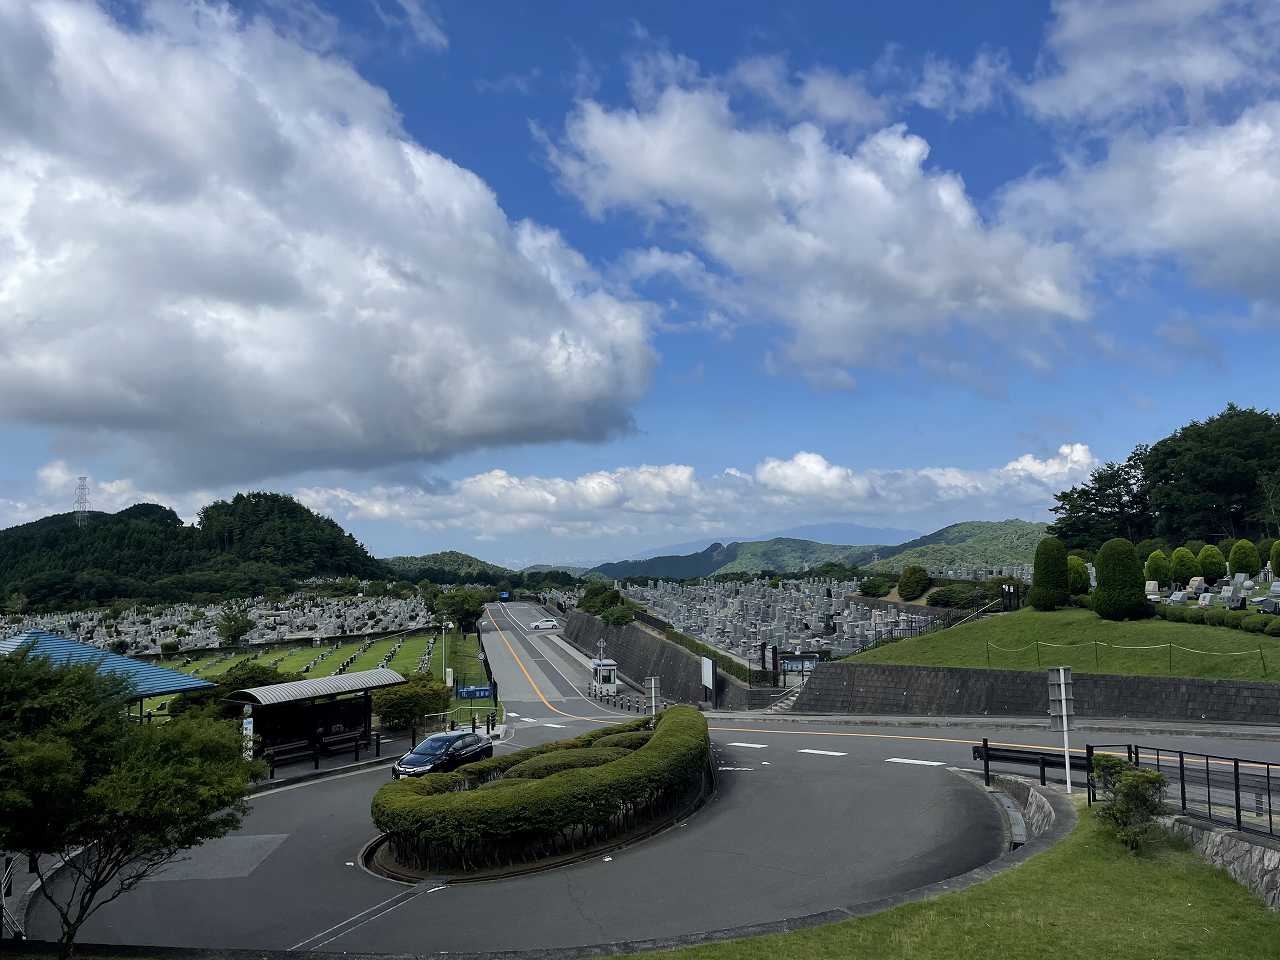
point(1260, 732)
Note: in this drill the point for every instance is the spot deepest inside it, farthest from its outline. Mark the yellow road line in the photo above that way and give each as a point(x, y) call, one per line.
point(532, 683)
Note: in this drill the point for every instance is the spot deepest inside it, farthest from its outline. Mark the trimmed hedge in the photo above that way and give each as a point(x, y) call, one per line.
point(1236, 618)
point(398, 707)
point(1193, 615)
point(1183, 565)
point(1244, 559)
point(913, 582)
point(1049, 575)
point(1215, 616)
point(440, 821)
point(1256, 623)
point(1157, 568)
point(1119, 595)
point(1273, 628)
point(626, 741)
point(721, 659)
point(504, 782)
point(1077, 576)
point(535, 768)
point(1275, 558)
point(1213, 566)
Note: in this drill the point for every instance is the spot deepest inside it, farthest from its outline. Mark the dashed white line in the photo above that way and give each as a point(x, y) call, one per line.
point(558, 726)
point(529, 719)
point(512, 713)
point(753, 746)
point(824, 753)
point(921, 763)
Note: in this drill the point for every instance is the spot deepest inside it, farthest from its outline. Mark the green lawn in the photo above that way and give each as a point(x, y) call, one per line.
point(1085, 899)
point(406, 661)
point(1089, 644)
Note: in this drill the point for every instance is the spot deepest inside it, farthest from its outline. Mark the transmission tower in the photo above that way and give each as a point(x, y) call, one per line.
point(82, 501)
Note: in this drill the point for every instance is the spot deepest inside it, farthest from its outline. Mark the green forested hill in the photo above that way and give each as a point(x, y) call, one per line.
point(447, 566)
point(245, 545)
point(782, 554)
point(978, 543)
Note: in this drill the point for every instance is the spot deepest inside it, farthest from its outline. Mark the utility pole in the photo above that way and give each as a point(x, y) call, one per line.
point(82, 501)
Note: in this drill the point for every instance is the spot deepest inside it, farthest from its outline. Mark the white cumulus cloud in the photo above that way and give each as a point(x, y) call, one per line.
point(221, 246)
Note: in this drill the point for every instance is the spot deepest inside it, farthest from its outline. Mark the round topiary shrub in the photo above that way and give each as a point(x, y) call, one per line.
point(1244, 559)
point(1077, 575)
point(1049, 575)
point(1119, 594)
point(1215, 616)
point(1236, 618)
point(1157, 568)
point(1256, 623)
point(1183, 565)
point(1213, 566)
point(1273, 628)
point(544, 766)
point(913, 582)
point(1192, 615)
point(625, 741)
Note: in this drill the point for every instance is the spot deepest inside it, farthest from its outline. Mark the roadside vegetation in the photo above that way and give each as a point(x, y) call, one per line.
point(1086, 898)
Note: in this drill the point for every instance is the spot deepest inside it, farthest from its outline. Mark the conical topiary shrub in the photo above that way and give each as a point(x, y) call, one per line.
point(1183, 565)
point(1213, 565)
point(1049, 575)
point(1119, 594)
point(1244, 559)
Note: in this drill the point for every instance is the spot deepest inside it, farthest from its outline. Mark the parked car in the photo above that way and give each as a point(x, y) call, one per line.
point(544, 624)
point(442, 752)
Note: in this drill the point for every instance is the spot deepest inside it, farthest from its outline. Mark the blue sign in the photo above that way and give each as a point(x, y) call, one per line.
point(798, 664)
point(474, 693)
point(504, 595)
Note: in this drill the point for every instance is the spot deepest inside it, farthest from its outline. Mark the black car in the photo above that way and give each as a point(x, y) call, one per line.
point(441, 752)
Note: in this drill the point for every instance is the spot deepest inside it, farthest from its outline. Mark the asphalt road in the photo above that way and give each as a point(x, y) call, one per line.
point(807, 817)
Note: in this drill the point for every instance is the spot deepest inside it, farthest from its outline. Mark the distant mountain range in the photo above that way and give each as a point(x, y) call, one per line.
point(979, 543)
point(823, 533)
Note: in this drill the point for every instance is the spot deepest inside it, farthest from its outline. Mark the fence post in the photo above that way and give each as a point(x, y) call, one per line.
point(986, 764)
point(1042, 780)
point(1235, 769)
point(1182, 779)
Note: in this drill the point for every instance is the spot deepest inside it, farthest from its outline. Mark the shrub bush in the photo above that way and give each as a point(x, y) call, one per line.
point(1119, 594)
point(722, 660)
point(913, 583)
point(1244, 559)
point(1213, 567)
point(1275, 558)
point(1082, 600)
point(1077, 575)
point(1082, 553)
point(398, 707)
point(618, 616)
point(1256, 623)
point(1049, 575)
point(957, 596)
point(169, 647)
point(535, 768)
point(440, 822)
point(1224, 546)
point(1273, 628)
point(625, 741)
point(504, 782)
point(875, 587)
point(1131, 799)
point(1195, 546)
point(1157, 568)
point(1193, 615)
point(1174, 614)
point(1236, 618)
point(1145, 548)
point(1183, 565)
point(1264, 550)
point(1215, 616)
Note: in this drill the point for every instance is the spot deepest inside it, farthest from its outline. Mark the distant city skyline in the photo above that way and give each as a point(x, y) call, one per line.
point(559, 283)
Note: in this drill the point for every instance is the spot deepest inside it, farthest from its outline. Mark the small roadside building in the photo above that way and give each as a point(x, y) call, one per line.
point(329, 713)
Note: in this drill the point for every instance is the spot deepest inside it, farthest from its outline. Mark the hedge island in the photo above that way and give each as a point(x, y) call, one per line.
point(552, 800)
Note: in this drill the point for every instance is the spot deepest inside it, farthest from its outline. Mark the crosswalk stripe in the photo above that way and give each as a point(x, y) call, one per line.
point(922, 763)
point(825, 753)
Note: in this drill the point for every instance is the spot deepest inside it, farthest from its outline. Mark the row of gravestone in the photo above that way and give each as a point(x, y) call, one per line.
point(424, 662)
point(386, 661)
point(352, 657)
point(1234, 594)
point(321, 657)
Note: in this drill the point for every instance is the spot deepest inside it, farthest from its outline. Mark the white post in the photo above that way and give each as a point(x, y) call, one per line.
point(1066, 736)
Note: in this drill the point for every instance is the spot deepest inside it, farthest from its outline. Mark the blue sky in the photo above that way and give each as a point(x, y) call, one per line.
point(554, 282)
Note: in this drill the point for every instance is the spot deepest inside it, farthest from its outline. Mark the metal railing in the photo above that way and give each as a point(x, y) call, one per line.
point(1232, 791)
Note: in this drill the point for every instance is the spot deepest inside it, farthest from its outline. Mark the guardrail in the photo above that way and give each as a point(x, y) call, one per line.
point(1232, 791)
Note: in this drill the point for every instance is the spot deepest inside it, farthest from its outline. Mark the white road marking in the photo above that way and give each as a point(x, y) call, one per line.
point(825, 753)
point(735, 768)
point(558, 726)
point(512, 713)
point(529, 719)
point(753, 746)
point(922, 763)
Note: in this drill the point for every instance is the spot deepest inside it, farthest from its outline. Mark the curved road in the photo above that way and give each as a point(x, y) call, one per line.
point(805, 819)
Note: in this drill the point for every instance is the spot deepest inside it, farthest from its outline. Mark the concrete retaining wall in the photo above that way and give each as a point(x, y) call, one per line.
point(641, 654)
point(1251, 860)
point(1037, 811)
point(876, 688)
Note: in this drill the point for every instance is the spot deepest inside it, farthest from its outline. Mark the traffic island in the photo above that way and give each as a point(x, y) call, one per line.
point(546, 804)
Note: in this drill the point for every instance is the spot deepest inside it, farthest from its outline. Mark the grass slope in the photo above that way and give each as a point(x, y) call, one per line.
point(1084, 899)
point(980, 543)
point(1068, 637)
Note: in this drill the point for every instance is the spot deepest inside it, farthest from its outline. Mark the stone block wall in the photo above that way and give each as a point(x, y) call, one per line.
point(1250, 860)
point(850, 687)
point(641, 654)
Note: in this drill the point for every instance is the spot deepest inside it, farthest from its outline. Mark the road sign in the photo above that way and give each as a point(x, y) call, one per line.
point(474, 693)
point(799, 663)
point(504, 595)
point(653, 692)
point(1061, 710)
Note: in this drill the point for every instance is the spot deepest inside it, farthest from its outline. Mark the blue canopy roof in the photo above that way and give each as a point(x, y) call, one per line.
point(148, 679)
